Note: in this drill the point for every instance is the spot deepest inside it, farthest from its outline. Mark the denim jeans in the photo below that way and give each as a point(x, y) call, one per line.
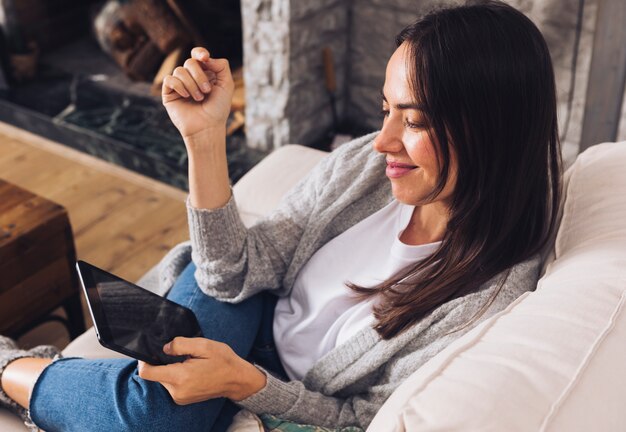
point(76, 394)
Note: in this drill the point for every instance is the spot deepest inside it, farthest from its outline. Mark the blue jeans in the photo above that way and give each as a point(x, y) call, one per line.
point(108, 395)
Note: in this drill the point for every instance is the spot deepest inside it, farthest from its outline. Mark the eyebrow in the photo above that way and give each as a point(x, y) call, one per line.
point(404, 106)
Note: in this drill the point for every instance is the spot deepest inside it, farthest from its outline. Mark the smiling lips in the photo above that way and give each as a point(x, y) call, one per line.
point(397, 169)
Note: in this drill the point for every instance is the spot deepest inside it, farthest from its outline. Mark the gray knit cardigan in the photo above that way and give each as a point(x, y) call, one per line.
point(349, 384)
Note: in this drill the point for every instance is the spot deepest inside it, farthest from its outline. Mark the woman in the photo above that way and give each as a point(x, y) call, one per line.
point(375, 276)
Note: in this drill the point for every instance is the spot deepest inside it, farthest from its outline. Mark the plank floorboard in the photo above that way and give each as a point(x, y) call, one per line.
point(122, 222)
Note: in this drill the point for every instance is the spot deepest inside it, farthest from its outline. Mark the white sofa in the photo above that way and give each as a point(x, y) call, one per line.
point(554, 360)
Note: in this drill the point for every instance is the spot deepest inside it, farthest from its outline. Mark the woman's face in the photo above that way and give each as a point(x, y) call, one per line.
point(412, 164)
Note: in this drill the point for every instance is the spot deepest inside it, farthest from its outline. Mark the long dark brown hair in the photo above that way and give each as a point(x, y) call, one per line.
point(484, 76)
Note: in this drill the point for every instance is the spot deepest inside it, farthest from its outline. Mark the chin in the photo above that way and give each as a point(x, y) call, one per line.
point(412, 196)
point(408, 198)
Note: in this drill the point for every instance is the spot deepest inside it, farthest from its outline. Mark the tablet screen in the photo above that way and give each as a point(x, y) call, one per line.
point(133, 318)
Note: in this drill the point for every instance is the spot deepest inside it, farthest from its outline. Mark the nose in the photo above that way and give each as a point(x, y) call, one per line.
point(389, 140)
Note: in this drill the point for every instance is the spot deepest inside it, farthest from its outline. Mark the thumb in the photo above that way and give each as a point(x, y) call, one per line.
point(181, 346)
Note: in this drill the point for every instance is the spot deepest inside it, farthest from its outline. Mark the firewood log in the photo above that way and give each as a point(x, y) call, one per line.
point(159, 23)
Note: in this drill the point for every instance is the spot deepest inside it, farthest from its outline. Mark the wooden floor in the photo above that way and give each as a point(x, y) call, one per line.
point(123, 222)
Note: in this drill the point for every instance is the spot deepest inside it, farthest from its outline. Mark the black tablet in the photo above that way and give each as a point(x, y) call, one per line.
point(131, 320)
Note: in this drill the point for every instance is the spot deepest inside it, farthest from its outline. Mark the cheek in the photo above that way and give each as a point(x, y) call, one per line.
point(420, 149)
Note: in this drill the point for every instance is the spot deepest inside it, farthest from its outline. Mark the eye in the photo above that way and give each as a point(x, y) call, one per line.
point(412, 125)
point(384, 113)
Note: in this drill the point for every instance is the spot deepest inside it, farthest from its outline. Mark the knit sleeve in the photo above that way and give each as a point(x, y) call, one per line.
point(292, 401)
point(234, 262)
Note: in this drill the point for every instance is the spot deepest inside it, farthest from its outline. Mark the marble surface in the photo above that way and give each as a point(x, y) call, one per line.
point(85, 106)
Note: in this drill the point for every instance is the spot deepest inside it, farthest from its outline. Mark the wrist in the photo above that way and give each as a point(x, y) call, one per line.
point(206, 138)
point(250, 381)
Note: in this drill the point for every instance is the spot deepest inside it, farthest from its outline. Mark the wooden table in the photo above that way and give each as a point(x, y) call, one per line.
point(37, 263)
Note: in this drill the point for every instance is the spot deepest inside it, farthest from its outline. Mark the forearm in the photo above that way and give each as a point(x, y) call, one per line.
point(209, 185)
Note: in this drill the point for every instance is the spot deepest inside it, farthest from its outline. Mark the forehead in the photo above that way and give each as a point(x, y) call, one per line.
point(396, 88)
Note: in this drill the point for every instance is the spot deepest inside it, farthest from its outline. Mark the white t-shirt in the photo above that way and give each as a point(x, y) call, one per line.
point(321, 311)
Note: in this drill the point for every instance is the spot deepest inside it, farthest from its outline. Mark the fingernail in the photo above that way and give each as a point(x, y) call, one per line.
point(206, 87)
point(166, 348)
point(197, 95)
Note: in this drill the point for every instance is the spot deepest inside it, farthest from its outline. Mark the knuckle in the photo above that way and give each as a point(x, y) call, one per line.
point(222, 346)
point(222, 349)
point(189, 62)
point(228, 351)
point(179, 70)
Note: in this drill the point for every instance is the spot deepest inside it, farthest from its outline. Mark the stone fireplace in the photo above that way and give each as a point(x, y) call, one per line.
point(285, 82)
point(287, 101)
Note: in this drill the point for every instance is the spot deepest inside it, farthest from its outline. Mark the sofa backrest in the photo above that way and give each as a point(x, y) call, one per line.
point(554, 359)
point(258, 192)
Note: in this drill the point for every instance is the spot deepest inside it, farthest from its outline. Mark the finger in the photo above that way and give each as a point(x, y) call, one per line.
point(196, 72)
point(195, 347)
point(200, 54)
point(161, 374)
point(172, 84)
point(211, 76)
point(221, 68)
point(190, 84)
point(203, 63)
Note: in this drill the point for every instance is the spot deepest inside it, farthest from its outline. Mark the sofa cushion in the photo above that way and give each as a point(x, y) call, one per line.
point(87, 346)
point(553, 360)
point(258, 192)
point(10, 422)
